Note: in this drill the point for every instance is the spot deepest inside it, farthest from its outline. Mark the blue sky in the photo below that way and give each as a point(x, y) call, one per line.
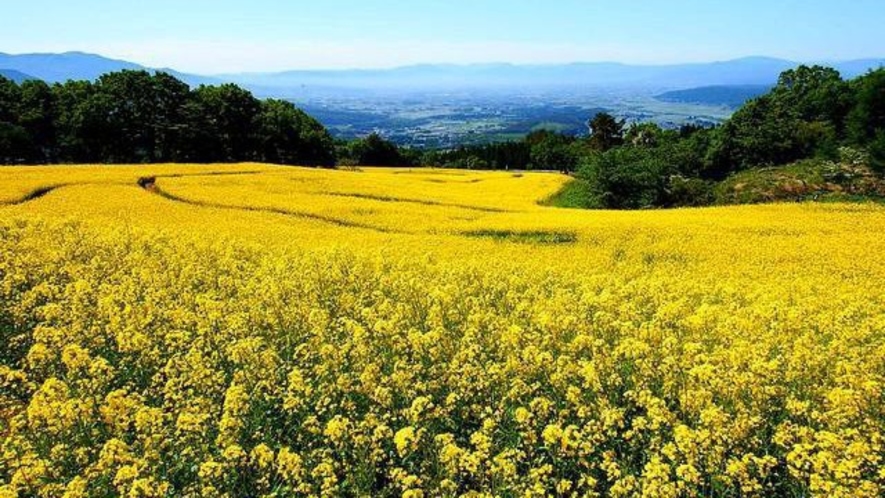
point(260, 35)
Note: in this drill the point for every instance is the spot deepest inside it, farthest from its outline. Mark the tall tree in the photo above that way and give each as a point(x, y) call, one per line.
point(74, 124)
point(814, 93)
point(551, 151)
point(227, 115)
point(376, 151)
point(867, 118)
point(124, 109)
point(15, 143)
point(606, 132)
point(37, 115)
point(287, 135)
point(762, 133)
point(10, 95)
point(169, 97)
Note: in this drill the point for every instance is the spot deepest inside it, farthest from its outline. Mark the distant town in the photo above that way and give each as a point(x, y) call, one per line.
point(447, 120)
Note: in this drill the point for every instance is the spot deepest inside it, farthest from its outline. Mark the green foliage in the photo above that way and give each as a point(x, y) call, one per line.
point(688, 151)
point(551, 151)
point(576, 193)
point(10, 95)
point(803, 116)
point(762, 133)
point(13, 140)
point(689, 192)
point(289, 136)
point(139, 117)
point(375, 151)
point(817, 139)
point(645, 135)
point(643, 176)
point(628, 177)
point(606, 132)
point(867, 117)
point(229, 116)
point(814, 94)
point(76, 123)
point(36, 114)
point(539, 150)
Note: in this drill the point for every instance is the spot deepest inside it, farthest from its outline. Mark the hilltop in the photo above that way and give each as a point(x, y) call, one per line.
point(16, 76)
point(61, 67)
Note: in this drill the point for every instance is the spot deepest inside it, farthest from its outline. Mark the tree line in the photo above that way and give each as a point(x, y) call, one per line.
point(143, 117)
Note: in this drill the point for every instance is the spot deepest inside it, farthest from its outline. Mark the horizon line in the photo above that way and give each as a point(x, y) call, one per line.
point(450, 64)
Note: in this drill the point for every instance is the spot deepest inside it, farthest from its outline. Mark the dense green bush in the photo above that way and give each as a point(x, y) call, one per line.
point(140, 117)
point(628, 177)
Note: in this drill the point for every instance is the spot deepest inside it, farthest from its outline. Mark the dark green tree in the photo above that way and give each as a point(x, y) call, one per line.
point(10, 96)
point(814, 94)
point(168, 123)
point(867, 117)
point(287, 135)
point(122, 111)
point(376, 151)
point(77, 129)
point(877, 152)
point(628, 177)
point(15, 144)
point(762, 133)
point(37, 115)
point(606, 132)
point(551, 151)
point(223, 118)
point(137, 116)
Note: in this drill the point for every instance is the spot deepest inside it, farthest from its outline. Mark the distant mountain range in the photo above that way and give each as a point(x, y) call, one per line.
point(754, 71)
point(16, 76)
point(747, 71)
point(58, 68)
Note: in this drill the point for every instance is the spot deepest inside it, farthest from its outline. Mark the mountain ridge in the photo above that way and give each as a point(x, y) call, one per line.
point(16, 76)
point(755, 70)
point(751, 70)
point(74, 65)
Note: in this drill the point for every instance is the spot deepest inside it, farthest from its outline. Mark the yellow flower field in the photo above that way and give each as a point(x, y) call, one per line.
point(254, 330)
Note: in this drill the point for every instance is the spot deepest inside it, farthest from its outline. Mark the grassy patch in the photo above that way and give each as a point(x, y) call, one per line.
point(836, 197)
point(526, 237)
point(577, 194)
